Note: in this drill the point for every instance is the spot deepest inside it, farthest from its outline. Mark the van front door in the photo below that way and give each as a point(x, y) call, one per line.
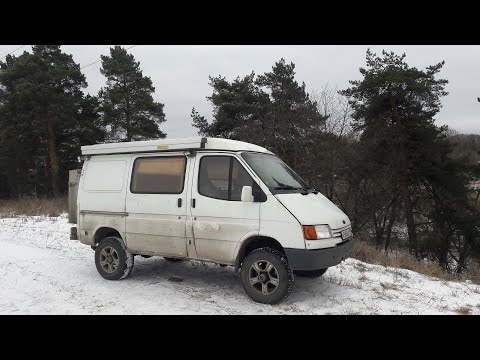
point(156, 205)
point(219, 218)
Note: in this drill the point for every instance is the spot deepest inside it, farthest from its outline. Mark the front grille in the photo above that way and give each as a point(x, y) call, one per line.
point(338, 232)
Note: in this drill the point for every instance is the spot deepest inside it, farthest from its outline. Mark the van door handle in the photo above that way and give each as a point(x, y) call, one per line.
point(179, 202)
point(193, 203)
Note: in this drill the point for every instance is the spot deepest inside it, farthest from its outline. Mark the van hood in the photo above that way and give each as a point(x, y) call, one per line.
point(314, 209)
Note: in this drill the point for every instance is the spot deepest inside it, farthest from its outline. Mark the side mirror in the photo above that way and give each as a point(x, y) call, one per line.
point(247, 194)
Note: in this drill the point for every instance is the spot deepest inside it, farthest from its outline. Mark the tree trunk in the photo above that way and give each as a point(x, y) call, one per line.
point(439, 232)
point(295, 148)
point(129, 126)
point(378, 231)
point(52, 153)
point(407, 199)
point(391, 221)
point(462, 259)
point(443, 252)
point(412, 235)
point(127, 112)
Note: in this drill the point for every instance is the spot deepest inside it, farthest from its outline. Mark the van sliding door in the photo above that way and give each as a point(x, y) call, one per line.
point(156, 205)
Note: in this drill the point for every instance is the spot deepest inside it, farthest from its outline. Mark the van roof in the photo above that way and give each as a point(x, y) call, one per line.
point(162, 145)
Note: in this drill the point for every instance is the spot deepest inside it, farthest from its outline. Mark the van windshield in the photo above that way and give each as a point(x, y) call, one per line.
point(274, 172)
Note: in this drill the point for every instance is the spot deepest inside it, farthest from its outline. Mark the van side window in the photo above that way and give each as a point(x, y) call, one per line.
point(222, 177)
point(158, 175)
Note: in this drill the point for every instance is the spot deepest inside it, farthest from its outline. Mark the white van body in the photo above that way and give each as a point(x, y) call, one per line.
point(119, 195)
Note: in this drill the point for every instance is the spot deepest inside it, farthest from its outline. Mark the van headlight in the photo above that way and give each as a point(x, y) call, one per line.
point(317, 232)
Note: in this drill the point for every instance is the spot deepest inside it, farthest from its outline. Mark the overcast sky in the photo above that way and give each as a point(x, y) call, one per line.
point(180, 73)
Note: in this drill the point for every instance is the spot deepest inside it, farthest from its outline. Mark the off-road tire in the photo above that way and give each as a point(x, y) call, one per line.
point(284, 276)
point(125, 259)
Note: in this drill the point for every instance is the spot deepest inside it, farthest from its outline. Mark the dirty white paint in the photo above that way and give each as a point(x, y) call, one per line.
point(206, 226)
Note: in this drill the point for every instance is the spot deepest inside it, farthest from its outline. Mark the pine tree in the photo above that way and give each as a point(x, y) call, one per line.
point(272, 110)
point(394, 107)
point(293, 117)
point(44, 120)
point(129, 110)
point(87, 129)
point(201, 123)
point(43, 90)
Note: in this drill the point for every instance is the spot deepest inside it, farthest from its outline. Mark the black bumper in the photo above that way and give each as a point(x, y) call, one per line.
point(301, 259)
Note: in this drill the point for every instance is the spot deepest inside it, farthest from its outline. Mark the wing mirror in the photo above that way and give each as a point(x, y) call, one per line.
point(247, 195)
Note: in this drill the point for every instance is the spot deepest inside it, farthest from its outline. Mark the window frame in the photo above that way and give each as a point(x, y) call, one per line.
point(230, 169)
point(159, 157)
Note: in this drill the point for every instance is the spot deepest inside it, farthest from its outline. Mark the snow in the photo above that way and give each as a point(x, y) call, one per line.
point(43, 272)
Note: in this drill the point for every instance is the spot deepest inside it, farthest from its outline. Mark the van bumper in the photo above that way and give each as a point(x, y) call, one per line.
point(301, 259)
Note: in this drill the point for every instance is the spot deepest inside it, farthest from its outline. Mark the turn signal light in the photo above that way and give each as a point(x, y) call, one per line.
point(310, 232)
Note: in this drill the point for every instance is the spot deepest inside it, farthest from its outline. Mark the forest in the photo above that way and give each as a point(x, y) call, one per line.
point(372, 148)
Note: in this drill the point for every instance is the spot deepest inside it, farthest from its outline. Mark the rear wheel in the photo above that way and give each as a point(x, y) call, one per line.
point(112, 259)
point(266, 276)
point(311, 273)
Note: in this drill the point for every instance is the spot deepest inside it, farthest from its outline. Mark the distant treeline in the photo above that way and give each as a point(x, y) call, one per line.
point(466, 146)
point(374, 148)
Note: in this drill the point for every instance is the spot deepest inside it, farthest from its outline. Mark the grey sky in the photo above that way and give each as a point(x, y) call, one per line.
point(180, 73)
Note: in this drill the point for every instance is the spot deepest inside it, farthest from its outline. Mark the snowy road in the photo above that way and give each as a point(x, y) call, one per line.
point(43, 272)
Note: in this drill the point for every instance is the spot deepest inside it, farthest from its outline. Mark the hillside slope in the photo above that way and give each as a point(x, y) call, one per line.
point(43, 272)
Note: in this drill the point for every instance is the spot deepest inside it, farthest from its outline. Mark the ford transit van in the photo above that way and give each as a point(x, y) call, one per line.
point(209, 199)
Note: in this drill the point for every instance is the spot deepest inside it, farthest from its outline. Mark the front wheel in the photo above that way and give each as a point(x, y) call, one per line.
point(266, 276)
point(311, 273)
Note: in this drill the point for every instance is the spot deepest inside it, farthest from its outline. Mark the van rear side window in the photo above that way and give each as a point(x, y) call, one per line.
point(158, 175)
point(105, 175)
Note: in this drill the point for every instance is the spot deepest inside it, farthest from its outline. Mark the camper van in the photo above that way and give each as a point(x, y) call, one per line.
point(208, 199)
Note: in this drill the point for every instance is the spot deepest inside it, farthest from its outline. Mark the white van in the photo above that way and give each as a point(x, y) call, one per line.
point(215, 200)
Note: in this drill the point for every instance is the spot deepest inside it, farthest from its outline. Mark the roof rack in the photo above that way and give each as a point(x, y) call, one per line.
point(165, 145)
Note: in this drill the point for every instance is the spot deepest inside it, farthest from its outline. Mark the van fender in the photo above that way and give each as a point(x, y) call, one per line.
point(101, 232)
point(242, 241)
point(251, 236)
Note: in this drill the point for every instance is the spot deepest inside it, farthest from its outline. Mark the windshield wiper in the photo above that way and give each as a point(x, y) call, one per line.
point(282, 186)
point(286, 187)
point(303, 191)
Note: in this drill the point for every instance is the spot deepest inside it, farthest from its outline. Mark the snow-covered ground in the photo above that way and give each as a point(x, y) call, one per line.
point(43, 272)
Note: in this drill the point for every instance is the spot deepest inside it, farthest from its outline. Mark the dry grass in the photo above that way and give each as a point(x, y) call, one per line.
point(368, 253)
point(464, 310)
point(387, 286)
point(33, 207)
point(360, 267)
point(363, 278)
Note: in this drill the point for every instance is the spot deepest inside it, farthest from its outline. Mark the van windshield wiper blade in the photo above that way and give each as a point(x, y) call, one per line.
point(282, 186)
point(303, 191)
point(286, 187)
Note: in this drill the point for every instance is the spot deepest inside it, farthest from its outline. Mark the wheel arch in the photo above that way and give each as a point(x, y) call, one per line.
point(104, 232)
point(256, 242)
